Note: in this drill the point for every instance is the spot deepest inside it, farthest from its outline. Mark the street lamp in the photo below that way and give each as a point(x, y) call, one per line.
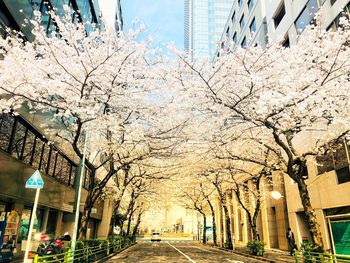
point(276, 195)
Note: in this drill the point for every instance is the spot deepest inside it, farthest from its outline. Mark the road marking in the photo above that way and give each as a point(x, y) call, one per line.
point(178, 250)
point(235, 261)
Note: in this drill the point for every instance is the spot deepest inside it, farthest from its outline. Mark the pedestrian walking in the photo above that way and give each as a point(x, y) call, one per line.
point(291, 241)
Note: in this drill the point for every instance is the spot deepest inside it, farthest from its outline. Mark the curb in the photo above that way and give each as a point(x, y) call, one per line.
point(242, 254)
point(116, 253)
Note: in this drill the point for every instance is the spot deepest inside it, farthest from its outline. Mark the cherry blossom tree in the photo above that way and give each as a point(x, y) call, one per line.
point(280, 95)
point(97, 86)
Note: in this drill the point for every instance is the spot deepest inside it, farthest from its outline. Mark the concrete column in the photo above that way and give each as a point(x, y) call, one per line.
point(58, 229)
point(104, 226)
point(219, 223)
point(264, 219)
point(245, 224)
point(45, 219)
point(233, 222)
point(323, 226)
point(235, 218)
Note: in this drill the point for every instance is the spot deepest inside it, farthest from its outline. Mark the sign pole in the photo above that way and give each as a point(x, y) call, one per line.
point(77, 206)
point(33, 218)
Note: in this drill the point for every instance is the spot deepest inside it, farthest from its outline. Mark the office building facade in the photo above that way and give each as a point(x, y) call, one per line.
point(204, 22)
point(253, 23)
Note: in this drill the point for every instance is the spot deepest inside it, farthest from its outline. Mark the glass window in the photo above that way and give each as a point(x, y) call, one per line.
point(45, 16)
point(35, 5)
point(244, 43)
point(28, 147)
point(240, 3)
point(234, 17)
point(250, 4)
point(341, 235)
point(18, 141)
point(253, 26)
point(6, 125)
point(25, 220)
point(279, 14)
point(241, 21)
point(51, 222)
point(306, 16)
point(286, 42)
point(343, 175)
point(235, 38)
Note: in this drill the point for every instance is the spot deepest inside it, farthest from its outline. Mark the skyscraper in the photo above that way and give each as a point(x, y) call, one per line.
point(204, 23)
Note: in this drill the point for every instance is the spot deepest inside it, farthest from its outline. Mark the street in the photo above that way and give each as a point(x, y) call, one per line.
point(179, 252)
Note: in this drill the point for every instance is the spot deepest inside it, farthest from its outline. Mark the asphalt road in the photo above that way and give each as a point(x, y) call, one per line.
point(186, 252)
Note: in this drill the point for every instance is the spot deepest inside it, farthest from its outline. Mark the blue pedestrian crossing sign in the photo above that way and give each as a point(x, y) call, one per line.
point(35, 181)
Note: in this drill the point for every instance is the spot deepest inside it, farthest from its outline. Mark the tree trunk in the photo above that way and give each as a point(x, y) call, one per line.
point(228, 243)
point(129, 223)
point(221, 227)
point(311, 217)
point(214, 222)
point(134, 232)
point(204, 228)
point(254, 231)
point(84, 222)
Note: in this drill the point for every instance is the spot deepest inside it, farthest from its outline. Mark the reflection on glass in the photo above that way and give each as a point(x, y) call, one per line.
point(18, 141)
point(6, 124)
point(45, 158)
point(52, 162)
point(37, 153)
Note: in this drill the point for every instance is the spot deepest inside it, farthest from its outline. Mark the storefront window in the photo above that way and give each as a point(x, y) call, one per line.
point(25, 220)
point(51, 222)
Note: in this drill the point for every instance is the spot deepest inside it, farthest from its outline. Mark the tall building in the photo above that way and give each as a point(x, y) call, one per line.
point(14, 14)
point(204, 22)
point(119, 22)
point(252, 22)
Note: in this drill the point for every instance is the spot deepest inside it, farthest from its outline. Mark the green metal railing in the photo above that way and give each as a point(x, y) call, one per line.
point(313, 257)
point(85, 254)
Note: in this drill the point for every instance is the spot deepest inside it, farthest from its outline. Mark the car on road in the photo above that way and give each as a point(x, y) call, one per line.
point(155, 237)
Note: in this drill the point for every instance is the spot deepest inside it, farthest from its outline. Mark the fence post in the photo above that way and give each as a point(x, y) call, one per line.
point(36, 258)
point(67, 256)
point(295, 252)
point(107, 248)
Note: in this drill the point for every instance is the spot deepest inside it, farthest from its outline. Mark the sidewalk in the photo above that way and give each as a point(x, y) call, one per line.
point(271, 255)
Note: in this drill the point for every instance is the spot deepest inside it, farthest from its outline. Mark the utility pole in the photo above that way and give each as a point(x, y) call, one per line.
point(77, 203)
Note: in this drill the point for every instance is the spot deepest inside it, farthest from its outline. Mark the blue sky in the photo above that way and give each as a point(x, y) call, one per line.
point(164, 19)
